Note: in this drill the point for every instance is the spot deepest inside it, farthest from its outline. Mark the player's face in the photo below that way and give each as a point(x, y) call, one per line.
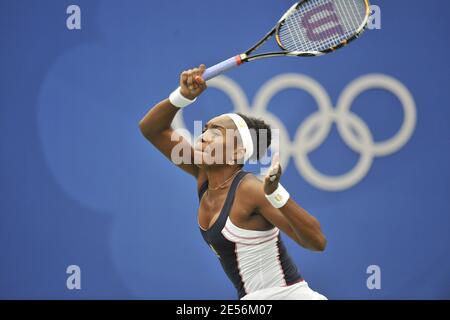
point(217, 144)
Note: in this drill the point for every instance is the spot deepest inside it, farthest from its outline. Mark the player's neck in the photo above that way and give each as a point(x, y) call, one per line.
point(222, 175)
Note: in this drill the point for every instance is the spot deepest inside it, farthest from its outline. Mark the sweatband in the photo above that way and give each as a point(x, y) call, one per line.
point(178, 100)
point(279, 197)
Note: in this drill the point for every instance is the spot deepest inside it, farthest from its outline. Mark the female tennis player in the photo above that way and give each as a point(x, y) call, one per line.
point(239, 216)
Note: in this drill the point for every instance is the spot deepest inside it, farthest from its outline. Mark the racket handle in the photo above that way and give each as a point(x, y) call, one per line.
point(222, 67)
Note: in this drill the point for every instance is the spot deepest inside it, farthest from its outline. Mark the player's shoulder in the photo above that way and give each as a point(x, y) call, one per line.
point(250, 192)
point(251, 185)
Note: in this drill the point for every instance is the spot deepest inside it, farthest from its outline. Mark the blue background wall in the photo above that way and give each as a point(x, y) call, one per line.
point(79, 185)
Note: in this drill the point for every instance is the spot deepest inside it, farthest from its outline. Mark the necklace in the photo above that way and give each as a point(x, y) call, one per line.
point(223, 183)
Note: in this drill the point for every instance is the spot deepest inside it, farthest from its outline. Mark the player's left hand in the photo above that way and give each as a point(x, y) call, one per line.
point(273, 175)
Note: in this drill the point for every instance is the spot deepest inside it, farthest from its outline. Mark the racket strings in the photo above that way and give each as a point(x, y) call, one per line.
point(318, 25)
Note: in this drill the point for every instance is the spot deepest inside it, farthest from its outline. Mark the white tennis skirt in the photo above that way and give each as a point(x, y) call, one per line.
point(298, 291)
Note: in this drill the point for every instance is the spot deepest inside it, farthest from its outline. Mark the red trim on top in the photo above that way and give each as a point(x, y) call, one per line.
point(251, 244)
point(238, 60)
point(250, 238)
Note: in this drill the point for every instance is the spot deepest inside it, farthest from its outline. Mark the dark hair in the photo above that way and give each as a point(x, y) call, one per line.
point(261, 135)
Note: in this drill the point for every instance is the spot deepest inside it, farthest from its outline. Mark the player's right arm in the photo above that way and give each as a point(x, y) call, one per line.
point(156, 124)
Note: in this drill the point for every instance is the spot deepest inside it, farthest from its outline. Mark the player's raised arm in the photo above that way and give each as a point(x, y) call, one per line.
point(156, 124)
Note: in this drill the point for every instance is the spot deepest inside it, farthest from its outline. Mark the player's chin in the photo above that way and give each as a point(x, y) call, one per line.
point(204, 160)
point(200, 158)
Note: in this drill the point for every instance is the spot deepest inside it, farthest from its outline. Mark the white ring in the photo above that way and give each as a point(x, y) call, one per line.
point(313, 131)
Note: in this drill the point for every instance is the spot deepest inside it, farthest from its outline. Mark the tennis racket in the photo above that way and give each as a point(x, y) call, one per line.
point(309, 28)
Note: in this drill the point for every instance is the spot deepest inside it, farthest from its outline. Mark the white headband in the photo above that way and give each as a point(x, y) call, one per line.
point(246, 137)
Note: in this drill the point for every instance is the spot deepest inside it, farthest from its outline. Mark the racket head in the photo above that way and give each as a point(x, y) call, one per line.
point(316, 27)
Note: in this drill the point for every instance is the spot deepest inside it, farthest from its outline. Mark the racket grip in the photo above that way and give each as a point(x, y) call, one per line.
point(222, 67)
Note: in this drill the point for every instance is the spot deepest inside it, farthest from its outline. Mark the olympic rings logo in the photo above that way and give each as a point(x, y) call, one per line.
point(313, 131)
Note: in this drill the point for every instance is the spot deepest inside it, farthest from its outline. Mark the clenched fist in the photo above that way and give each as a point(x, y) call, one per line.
point(192, 83)
point(273, 175)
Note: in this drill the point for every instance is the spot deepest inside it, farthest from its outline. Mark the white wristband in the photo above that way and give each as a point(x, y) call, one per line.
point(279, 197)
point(178, 100)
